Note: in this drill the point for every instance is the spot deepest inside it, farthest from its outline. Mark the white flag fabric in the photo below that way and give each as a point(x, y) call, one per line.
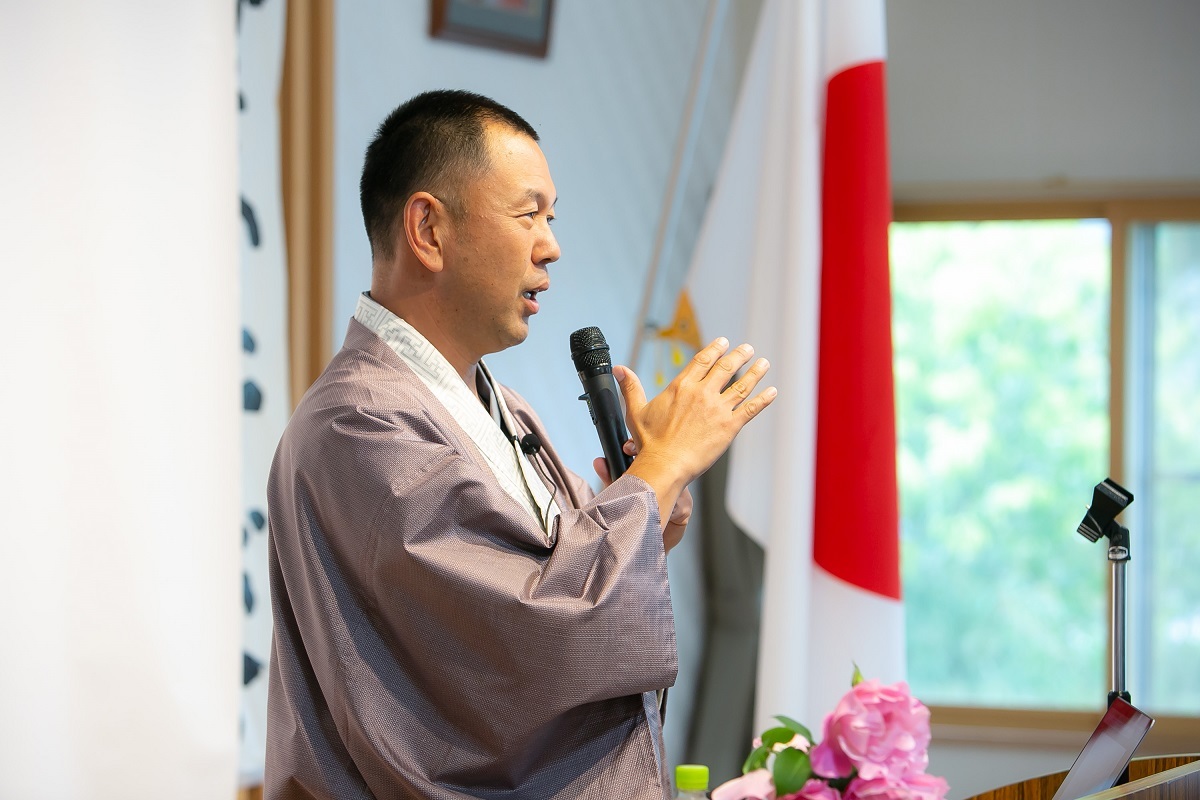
point(792, 257)
point(119, 449)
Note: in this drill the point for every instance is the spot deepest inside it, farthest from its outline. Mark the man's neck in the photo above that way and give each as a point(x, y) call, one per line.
point(415, 312)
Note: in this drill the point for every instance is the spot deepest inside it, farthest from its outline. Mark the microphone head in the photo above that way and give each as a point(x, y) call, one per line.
point(589, 350)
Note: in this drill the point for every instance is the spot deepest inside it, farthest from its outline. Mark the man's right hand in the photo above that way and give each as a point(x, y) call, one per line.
point(682, 431)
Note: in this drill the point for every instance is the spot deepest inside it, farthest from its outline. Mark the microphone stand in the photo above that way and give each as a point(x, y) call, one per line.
point(1108, 500)
point(1118, 556)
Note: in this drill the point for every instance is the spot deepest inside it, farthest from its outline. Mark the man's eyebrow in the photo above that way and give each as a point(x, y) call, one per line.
point(537, 197)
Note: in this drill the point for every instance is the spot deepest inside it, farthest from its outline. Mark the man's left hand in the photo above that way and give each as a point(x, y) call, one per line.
point(674, 526)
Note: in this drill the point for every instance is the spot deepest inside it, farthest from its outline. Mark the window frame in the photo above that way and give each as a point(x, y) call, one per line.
point(1032, 727)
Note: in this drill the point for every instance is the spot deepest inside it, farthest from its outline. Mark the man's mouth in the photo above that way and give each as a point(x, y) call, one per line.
point(531, 300)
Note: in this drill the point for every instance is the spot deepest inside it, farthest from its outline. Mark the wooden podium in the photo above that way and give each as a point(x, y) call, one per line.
point(1155, 778)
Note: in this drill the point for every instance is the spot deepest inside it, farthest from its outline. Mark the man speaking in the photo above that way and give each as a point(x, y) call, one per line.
point(455, 613)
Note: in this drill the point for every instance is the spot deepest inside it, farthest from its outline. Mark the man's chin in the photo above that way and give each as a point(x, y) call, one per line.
point(515, 335)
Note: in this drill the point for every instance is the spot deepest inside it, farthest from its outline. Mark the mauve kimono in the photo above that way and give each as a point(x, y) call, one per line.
point(430, 640)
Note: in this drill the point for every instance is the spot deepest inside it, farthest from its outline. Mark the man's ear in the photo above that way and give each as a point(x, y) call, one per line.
point(426, 223)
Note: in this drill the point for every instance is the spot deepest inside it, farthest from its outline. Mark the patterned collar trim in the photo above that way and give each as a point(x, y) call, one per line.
point(511, 467)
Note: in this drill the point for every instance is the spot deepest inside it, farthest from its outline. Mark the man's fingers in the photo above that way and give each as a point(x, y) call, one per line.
point(730, 363)
point(601, 467)
point(740, 389)
point(718, 364)
point(702, 363)
point(749, 409)
point(682, 511)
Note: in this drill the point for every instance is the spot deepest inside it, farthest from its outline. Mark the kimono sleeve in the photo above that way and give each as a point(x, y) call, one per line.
point(482, 610)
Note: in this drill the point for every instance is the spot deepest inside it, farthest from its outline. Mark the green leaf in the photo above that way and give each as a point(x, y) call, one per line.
point(776, 736)
point(757, 759)
point(792, 768)
point(795, 727)
point(841, 783)
point(857, 678)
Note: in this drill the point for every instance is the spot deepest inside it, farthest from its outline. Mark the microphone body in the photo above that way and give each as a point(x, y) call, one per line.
point(589, 352)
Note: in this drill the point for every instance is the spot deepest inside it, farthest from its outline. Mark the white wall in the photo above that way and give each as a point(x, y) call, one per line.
point(971, 767)
point(1047, 99)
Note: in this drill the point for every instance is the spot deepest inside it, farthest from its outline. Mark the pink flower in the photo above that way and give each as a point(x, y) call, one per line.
point(814, 790)
point(912, 787)
point(882, 731)
point(756, 785)
point(927, 787)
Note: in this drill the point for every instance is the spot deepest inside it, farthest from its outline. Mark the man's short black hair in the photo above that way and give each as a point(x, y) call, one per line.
point(433, 143)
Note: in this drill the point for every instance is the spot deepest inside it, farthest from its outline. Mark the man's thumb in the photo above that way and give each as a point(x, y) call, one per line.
point(631, 387)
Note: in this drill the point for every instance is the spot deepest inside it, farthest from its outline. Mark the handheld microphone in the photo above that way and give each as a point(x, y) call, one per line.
point(589, 352)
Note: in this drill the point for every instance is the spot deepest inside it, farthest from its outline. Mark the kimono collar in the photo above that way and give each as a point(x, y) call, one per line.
point(486, 426)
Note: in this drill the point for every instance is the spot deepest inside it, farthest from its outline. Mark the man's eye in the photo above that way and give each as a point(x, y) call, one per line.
point(533, 215)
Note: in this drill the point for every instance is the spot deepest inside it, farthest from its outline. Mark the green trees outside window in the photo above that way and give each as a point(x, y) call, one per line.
point(1002, 362)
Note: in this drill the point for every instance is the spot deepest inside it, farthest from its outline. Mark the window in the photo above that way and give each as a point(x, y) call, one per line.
point(1035, 356)
point(1162, 456)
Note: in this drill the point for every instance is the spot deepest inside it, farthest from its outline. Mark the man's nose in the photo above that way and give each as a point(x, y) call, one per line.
point(548, 250)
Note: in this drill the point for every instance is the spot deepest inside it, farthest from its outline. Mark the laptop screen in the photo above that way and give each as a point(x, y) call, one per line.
point(1107, 752)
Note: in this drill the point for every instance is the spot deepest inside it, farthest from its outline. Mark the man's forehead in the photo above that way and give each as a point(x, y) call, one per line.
point(519, 164)
point(501, 138)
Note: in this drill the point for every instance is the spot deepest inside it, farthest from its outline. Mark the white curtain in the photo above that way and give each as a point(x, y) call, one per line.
point(120, 623)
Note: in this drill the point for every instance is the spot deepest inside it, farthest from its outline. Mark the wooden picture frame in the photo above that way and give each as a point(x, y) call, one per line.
point(515, 26)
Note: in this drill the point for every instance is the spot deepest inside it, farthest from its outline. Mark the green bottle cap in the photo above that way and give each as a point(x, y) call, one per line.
point(691, 778)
